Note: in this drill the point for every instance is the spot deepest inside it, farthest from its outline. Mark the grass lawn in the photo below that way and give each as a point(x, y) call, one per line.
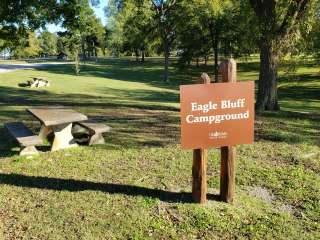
point(138, 185)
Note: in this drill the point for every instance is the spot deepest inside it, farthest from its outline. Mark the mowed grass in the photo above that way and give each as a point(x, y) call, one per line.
point(138, 185)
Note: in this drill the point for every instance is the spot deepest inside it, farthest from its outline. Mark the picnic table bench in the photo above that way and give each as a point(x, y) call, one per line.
point(24, 136)
point(58, 120)
point(61, 122)
point(95, 131)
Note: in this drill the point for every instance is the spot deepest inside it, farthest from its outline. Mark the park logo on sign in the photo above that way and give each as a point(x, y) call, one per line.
point(216, 115)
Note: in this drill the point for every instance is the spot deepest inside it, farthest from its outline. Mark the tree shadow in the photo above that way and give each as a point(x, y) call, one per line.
point(30, 97)
point(139, 118)
point(301, 93)
point(287, 126)
point(142, 117)
point(72, 185)
point(125, 70)
point(7, 144)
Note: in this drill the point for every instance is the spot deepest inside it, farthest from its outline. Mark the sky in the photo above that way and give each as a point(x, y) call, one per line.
point(98, 11)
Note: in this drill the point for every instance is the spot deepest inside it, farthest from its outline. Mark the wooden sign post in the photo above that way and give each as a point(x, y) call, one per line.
point(216, 115)
point(228, 70)
point(199, 166)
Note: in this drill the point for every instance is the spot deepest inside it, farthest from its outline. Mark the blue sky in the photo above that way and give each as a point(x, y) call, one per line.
point(98, 11)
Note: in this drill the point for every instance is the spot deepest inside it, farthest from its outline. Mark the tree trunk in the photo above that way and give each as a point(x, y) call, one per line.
point(142, 56)
point(216, 56)
point(96, 54)
point(137, 55)
point(267, 86)
point(83, 51)
point(166, 62)
point(77, 63)
point(215, 45)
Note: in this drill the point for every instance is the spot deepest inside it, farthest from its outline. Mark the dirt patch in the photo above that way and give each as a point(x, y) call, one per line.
point(269, 198)
point(262, 194)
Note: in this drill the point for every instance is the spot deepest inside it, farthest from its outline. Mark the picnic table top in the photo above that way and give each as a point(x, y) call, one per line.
point(51, 116)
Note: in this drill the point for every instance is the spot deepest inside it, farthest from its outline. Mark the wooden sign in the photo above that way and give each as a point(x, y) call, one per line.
point(216, 115)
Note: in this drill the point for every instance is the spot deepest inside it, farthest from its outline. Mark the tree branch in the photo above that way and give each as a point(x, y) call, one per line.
point(295, 12)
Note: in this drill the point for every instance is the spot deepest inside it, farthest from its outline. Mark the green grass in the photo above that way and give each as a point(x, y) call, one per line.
point(138, 185)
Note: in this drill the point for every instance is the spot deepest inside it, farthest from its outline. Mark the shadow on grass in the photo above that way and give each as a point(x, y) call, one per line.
point(287, 126)
point(140, 118)
point(149, 117)
point(8, 147)
point(72, 185)
point(300, 93)
point(28, 97)
point(150, 72)
point(248, 67)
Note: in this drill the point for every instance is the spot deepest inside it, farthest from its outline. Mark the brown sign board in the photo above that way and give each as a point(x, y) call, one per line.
point(216, 115)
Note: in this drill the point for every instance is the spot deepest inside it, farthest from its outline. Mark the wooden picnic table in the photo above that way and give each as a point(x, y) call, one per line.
point(58, 120)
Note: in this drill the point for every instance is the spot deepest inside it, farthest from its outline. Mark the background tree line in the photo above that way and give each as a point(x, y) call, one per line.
point(198, 30)
point(23, 34)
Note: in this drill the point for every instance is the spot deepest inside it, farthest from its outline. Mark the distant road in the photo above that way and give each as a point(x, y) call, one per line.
point(18, 66)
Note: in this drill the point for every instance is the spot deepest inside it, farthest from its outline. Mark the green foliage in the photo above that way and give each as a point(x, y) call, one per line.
point(312, 40)
point(282, 22)
point(137, 27)
point(74, 43)
point(84, 34)
point(17, 18)
point(279, 23)
point(69, 43)
point(48, 43)
point(130, 26)
point(29, 47)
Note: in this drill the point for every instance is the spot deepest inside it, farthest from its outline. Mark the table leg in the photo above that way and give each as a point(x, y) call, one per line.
point(97, 138)
point(44, 132)
point(62, 137)
point(30, 150)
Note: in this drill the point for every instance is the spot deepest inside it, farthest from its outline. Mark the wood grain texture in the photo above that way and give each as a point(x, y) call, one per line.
point(227, 176)
point(199, 165)
point(199, 176)
point(228, 70)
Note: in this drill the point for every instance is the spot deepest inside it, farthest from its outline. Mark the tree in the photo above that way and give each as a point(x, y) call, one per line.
point(93, 36)
point(116, 20)
point(27, 48)
point(48, 43)
point(313, 39)
point(213, 15)
point(137, 27)
point(207, 27)
point(82, 25)
point(131, 25)
point(166, 22)
point(18, 17)
point(193, 38)
point(278, 20)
